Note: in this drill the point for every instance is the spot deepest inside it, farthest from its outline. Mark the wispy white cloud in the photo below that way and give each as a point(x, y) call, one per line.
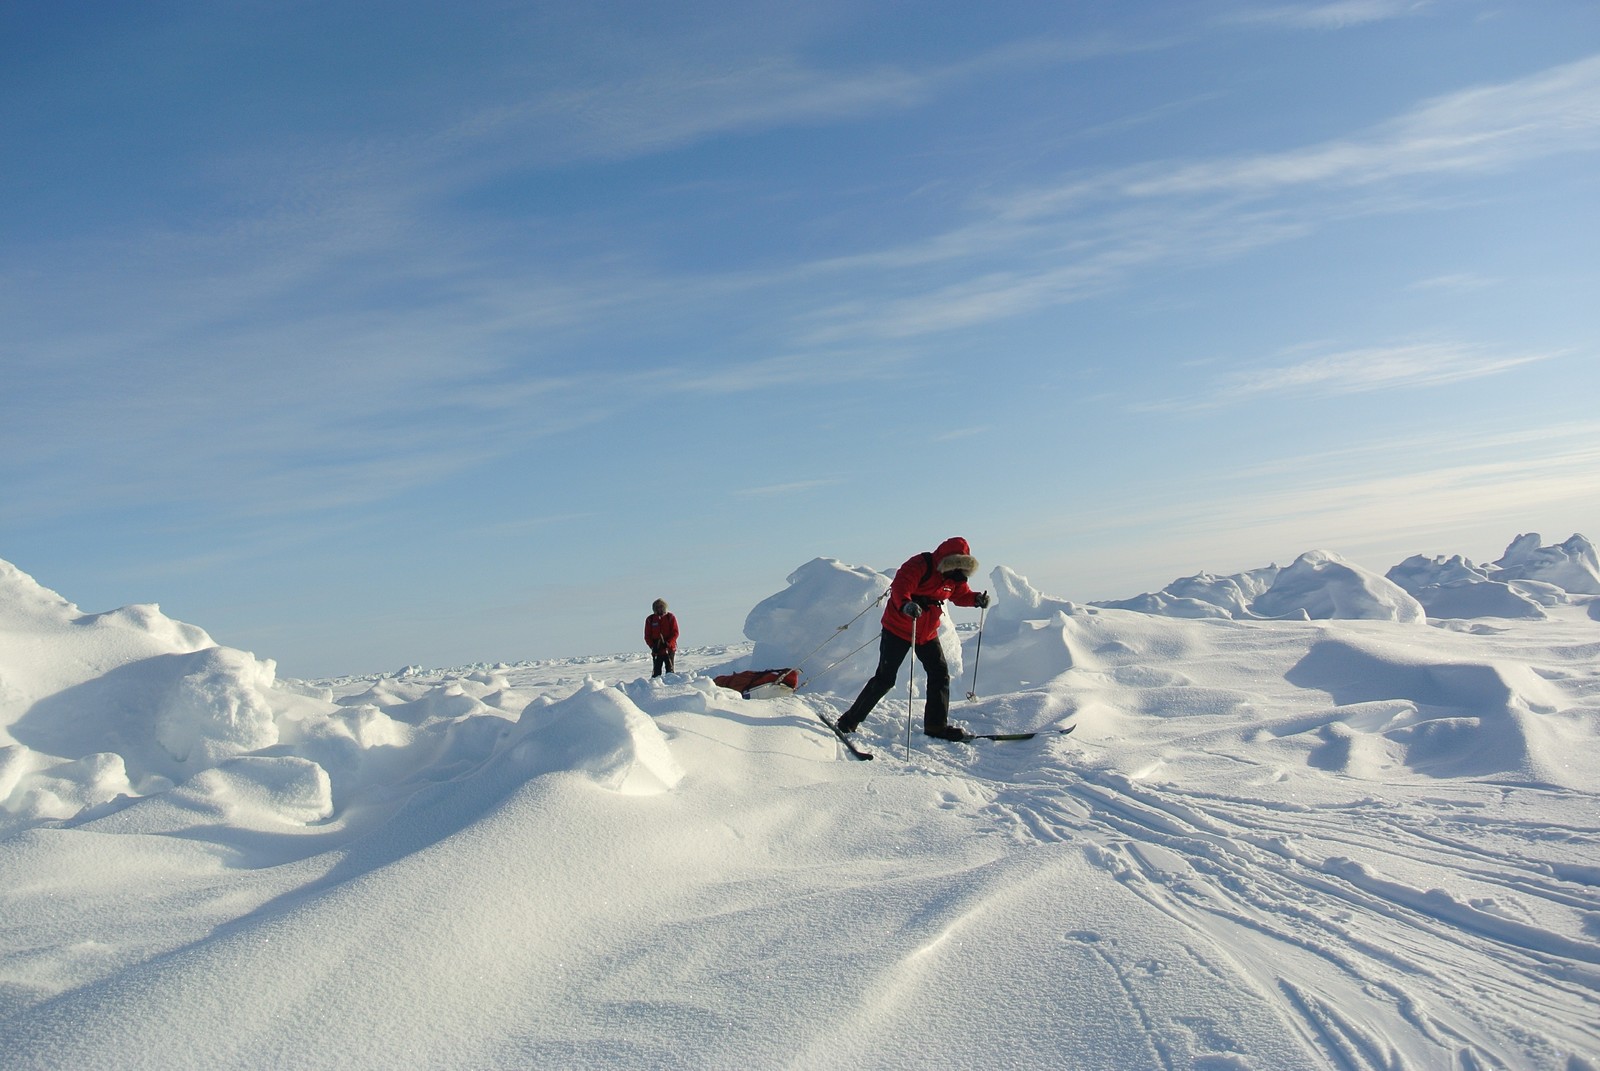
point(524, 525)
point(1481, 129)
point(1484, 128)
point(819, 367)
point(1455, 283)
point(1413, 365)
point(1335, 14)
point(957, 434)
point(670, 100)
point(780, 489)
point(344, 316)
point(1456, 485)
point(672, 106)
point(1376, 501)
point(1057, 244)
point(996, 269)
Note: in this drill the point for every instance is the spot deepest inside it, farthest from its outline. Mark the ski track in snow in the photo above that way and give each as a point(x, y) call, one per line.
point(1351, 845)
point(1242, 868)
point(1295, 897)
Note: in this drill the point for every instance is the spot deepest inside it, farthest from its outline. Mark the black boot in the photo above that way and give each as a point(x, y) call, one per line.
point(947, 732)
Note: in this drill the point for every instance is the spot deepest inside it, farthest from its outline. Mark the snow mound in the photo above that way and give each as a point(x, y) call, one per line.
point(1203, 595)
point(1016, 601)
point(414, 701)
point(1029, 637)
point(1320, 585)
point(252, 792)
point(145, 724)
point(600, 734)
point(1452, 587)
point(49, 645)
point(1527, 578)
point(40, 788)
point(1034, 654)
point(822, 595)
point(1572, 566)
point(97, 706)
point(1441, 717)
point(168, 715)
point(827, 620)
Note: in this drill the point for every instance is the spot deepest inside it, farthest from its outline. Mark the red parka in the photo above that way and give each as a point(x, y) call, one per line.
point(919, 578)
point(661, 632)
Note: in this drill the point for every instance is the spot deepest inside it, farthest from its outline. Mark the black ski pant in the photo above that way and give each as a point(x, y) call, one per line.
point(662, 661)
point(891, 653)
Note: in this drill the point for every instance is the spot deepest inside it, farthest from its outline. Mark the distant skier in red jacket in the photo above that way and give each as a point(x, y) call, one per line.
point(661, 635)
point(911, 622)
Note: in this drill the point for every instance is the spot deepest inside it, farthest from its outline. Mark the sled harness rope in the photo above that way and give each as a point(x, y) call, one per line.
point(841, 628)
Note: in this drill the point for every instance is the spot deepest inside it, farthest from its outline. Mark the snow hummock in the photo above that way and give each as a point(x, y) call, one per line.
point(1323, 585)
point(1572, 566)
point(824, 597)
point(1204, 595)
point(1453, 587)
point(1318, 585)
point(1296, 827)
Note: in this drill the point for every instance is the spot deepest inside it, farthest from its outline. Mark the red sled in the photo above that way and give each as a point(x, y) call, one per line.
point(761, 683)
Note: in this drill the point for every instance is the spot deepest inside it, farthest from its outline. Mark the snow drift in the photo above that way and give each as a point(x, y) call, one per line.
point(1317, 585)
point(1572, 566)
point(107, 711)
point(801, 626)
point(1454, 587)
point(1322, 585)
point(1296, 828)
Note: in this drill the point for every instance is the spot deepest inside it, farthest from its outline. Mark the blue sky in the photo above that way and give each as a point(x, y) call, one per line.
point(367, 334)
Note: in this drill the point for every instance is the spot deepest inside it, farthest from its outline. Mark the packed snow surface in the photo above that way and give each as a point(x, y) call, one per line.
point(1310, 817)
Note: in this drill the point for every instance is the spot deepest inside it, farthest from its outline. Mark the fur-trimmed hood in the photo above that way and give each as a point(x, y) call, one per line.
point(955, 554)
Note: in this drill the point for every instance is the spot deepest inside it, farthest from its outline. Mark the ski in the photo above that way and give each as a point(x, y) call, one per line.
point(1009, 736)
point(1025, 736)
point(855, 750)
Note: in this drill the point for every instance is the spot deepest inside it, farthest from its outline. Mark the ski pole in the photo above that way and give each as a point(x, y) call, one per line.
point(977, 654)
point(911, 680)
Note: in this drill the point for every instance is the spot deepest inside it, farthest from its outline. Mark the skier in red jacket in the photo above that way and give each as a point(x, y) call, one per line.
point(911, 622)
point(661, 635)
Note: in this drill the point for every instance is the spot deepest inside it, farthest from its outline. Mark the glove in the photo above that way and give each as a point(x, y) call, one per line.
point(911, 609)
point(980, 599)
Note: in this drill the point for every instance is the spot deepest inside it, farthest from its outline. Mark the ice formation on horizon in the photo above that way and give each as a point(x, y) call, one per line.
point(1318, 585)
point(1452, 587)
point(1322, 585)
point(1572, 566)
